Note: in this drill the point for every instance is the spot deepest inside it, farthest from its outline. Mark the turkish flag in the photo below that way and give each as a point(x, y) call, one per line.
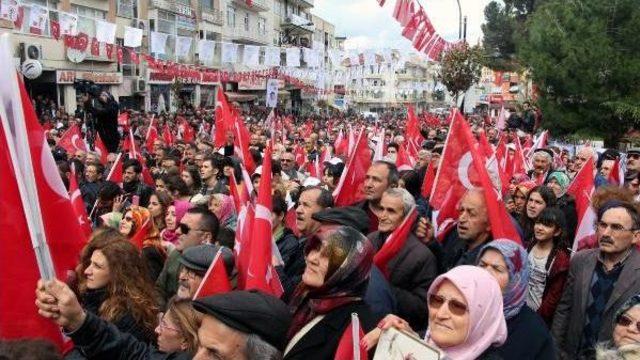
point(427, 183)
point(40, 235)
point(82, 42)
point(167, 135)
point(299, 156)
point(95, 47)
point(72, 141)
point(224, 119)
point(115, 174)
point(241, 143)
point(403, 161)
point(339, 145)
point(349, 347)
point(413, 127)
point(134, 57)
point(152, 136)
point(395, 242)
point(485, 147)
point(260, 274)
point(101, 149)
point(349, 189)
point(119, 54)
point(109, 49)
point(123, 118)
point(78, 204)
point(216, 279)
point(616, 176)
point(582, 188)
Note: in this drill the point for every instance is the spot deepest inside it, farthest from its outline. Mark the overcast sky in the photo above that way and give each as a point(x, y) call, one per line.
point(367, 25)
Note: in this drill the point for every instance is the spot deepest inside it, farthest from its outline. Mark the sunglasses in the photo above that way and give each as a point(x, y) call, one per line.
point(624, 320)
point(455, 307)
point(184, 229)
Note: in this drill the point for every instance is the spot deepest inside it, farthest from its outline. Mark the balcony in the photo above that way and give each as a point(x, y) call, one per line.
point(213, 16)
point(256, 5)
point(297, 24)
point(173, 6)
point(303, 3)
point(251, 35)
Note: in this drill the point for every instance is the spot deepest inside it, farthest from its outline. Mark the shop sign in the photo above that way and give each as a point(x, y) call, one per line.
point(104, 78)
point(165, 78)
point(257, 83)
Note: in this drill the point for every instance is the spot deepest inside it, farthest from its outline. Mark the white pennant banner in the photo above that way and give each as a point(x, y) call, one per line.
point(369, 57)
point(158, 42)
point(68, 23)
point(229, 52)
point(183, 46)
point(293, 56)
point(311, 57)
point(105, 32)
point(251, 55)
point(132, 37)
point(272, 56)
point(9, 10)
point(206, 50)
point(38, 17)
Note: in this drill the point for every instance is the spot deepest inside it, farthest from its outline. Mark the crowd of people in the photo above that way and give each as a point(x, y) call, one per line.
point(467, 294)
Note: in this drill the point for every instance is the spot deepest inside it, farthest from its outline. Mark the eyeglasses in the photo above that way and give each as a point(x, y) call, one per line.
point(456, 307)
point(163, 324)
point(184, 229)
point(615, 228)
point(624, 320)
point(286, 160)
point(633, 156)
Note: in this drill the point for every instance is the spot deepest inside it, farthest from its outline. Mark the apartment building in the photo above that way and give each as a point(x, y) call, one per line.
point(280, 23)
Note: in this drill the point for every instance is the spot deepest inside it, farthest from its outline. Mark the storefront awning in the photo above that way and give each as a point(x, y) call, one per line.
point(284, 93)
point(235, 96)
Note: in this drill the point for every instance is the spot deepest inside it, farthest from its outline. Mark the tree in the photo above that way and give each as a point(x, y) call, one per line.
point(460, 68)
point(585, 59)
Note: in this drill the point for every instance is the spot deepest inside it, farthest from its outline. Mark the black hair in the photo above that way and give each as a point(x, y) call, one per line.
point(175, 183)
point(137, 167)
point(195, 175)
point(412, 183)
point(394, 176)
point(630, 209)
point(108, 191)
point(393, 145)
point(279, 206)
point(325, 199)
point(334, 170)
point(226, 237)
point(208, 220)
point(553, 216)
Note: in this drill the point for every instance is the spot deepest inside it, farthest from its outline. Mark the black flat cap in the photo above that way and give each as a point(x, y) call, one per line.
point(610, 154)
point(633, 151)
point(348, 216)
point(198, 258)
point(251, 312)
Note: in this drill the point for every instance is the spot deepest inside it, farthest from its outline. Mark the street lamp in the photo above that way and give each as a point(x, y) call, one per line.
point(459, 20)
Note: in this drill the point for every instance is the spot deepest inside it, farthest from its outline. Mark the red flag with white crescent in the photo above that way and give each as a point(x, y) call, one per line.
point(72, 140)
point(77, 203)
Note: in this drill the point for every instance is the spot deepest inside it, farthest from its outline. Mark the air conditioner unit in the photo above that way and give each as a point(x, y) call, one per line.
point(139, 85)
point(30, 51)
point(140, 24)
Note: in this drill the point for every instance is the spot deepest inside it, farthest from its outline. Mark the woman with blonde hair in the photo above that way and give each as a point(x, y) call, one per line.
point(177, 328)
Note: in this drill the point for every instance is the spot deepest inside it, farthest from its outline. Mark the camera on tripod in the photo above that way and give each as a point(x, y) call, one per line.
point(87, 87)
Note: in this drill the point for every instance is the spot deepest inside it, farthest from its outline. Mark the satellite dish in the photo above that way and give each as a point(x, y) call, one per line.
point(31, 69)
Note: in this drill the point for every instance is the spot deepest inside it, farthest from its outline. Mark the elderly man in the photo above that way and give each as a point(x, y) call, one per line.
point(381, 176)
point(542, 164)
point(413, 269)
point(240, 325)
point(197, 227)
point(90, 187)
point(195, 261)
point(599, 282)
point(582, 156)
point(288, 162)
point(462, 244)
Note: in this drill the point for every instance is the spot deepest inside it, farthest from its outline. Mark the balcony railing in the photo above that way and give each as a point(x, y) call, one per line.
point(213, 16)
point(256, 5)
point(252, 35)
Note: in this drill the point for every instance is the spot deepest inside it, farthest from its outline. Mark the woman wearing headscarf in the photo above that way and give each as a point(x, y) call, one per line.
point(224, 209)
point(465, 321)
point(175, 213)
point(625, 342)
point(559, 182)
point(138, 226)
point(528, 336)
point(338, 265)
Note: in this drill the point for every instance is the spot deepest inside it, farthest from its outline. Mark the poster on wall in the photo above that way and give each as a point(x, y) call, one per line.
point(272, 93)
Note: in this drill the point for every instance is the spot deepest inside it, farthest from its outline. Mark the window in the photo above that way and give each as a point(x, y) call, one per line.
point(53, 15)
point(262, 25)
point(245, 21)
point(127, 8)
point(166, 22)
point(231, 16)
point(86, 15)
point(207, 4)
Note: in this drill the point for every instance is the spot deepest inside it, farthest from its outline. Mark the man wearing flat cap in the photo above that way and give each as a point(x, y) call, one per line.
point(633, 159)
point(238, 325)
point(195, 262)
point(542, 164)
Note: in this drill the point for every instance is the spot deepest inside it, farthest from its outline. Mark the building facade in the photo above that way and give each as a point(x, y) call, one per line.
point(264, 23)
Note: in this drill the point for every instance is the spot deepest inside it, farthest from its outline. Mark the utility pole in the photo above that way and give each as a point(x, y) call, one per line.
point(459, 20)
point(464, 31)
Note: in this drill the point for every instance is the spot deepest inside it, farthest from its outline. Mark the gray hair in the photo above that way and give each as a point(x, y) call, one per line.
point(258, 349)
point(407, 199)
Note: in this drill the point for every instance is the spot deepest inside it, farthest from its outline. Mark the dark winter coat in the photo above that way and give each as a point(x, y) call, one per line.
point(411, 273)
point(528, 338)
point(567, 205)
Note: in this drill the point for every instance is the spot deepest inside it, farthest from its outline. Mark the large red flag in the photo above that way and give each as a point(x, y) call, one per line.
point(101, 149)
point(123, 119)
point(72, 141)
point(427, 183)
point(224, 119)
point(349, 189)
point(403, 161)
point(349, 347)
point(216, 280)
point(78, 205)
point(115, 174)
point(616, 176)
point(152, 135)
point(167, 136)
point(260, 274)
point(395, 242)
point(40, 235)
point(413, 127)
point(582, 188)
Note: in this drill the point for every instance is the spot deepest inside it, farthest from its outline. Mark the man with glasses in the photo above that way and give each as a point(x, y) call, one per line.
point(599, 282)
point(633, 159)
point(197, 227)
point(195, 262)
point(288, 162)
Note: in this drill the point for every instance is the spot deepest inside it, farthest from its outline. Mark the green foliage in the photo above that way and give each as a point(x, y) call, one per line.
point(585, 58)
point(499, 47)
point(460, 68)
